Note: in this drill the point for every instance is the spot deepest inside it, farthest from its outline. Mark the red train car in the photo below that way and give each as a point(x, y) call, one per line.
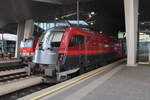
point(63, 51)
point(27, 49)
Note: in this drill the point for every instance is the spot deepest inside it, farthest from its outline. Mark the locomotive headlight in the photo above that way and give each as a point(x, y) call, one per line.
point(61, 57)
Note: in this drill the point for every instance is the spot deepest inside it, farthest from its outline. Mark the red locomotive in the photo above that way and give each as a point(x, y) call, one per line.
point(63, 51)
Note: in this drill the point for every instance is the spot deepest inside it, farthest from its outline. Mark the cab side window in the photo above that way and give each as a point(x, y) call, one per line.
point(76, 40)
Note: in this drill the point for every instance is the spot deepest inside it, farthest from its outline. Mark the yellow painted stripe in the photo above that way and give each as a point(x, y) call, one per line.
point(77, 79)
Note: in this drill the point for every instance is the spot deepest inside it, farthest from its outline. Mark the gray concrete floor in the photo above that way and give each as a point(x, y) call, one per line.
point(128, 84)
point(124, 84)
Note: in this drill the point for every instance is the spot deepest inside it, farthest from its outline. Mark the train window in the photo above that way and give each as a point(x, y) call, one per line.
point(81, 39)
point(73, 41)
point(55, 38)
point(26, 44)
point(51, 39)
point(76, 40)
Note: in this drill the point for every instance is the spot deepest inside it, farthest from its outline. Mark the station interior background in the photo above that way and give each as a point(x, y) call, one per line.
point(108, 18)
point(23, 25)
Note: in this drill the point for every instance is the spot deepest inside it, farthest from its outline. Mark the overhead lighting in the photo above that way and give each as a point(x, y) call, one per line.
point(101, 32)
point(92, 23)
point(143, 23)
point(141, 33)
point(56, 18)
point(92, 13)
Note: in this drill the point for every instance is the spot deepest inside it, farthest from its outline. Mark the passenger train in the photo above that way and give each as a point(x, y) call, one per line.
point(27, 49)
point(64, 51)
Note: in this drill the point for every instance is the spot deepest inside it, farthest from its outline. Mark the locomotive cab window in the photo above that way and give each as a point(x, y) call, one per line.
point(51, 39)
point(76, 40)
point(55, 39)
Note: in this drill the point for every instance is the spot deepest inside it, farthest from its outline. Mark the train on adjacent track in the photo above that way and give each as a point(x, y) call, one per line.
point(64, 51)
point(27, 49)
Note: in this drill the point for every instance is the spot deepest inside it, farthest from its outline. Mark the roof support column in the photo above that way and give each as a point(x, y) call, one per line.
point(131, 20)
point(29, 28)
point(20, 32)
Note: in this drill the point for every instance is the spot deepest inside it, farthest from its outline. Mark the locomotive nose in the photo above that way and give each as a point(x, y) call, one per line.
point(49, 56)
point(47, 50)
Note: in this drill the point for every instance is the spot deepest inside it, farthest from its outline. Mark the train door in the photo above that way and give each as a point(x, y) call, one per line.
point(75, 51)
point(72, 60)
point(82, 49)
point(83, 53)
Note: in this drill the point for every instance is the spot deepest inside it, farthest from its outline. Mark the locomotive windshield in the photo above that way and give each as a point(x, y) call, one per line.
point(51, 39)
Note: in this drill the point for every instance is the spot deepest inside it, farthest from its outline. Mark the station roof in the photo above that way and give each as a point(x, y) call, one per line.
point(17, 10)
point(14, 11)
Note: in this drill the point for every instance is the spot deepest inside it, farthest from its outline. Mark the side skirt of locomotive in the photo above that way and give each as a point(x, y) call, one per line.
point(49, 73)
point(73, 64)
point(61, 76)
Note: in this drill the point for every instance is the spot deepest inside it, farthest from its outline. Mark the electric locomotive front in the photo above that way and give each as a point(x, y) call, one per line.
point(63, 51)
point(47, 57)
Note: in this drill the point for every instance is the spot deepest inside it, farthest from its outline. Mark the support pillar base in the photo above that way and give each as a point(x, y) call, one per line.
point(132, 65)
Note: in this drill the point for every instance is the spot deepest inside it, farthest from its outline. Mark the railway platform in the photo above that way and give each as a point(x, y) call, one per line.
point(117, 83)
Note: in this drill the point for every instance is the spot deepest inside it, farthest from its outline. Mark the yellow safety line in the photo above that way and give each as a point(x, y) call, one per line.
point(86, 75)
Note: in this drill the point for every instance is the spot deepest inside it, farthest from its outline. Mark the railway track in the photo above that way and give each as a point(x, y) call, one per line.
point(15, 79)
point(11, 77)
point(24, 92)
point(10, 84)
point(11, 67)
point(4, 71)
point(10, 63)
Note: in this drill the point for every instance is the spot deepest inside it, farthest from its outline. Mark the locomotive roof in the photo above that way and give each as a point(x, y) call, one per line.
point(58, 28)
point(63, 28)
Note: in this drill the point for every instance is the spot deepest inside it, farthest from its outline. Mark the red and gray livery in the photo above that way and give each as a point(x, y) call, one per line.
point(65, 51)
